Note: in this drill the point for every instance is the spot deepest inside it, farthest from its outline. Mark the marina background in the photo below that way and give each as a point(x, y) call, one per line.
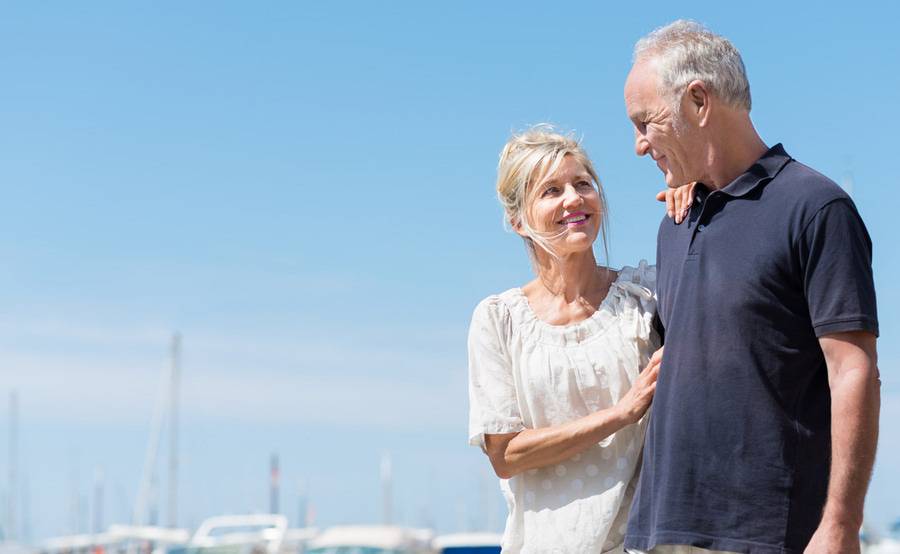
point(305, 193)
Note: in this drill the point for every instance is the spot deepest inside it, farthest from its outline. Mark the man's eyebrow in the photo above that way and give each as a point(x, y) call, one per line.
point(639, 115)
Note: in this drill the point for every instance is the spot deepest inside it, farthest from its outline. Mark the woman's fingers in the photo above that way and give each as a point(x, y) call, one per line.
point(668, 197)
point(640, 396)
point(677, 206)
point(646, 380)
point(655, 360)
point(652, 373)
point(678, 201)
point(638, 399)
point(684, 197)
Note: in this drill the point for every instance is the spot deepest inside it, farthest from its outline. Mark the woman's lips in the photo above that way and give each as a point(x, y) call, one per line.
point(575, 220)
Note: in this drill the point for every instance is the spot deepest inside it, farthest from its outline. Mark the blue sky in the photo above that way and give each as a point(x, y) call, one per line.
point(305, 192)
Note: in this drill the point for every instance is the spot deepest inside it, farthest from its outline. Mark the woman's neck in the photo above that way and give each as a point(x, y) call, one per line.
point(570, 277)
point(567, 290)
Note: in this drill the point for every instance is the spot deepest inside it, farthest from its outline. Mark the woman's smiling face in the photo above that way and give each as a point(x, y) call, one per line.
point(566, 208)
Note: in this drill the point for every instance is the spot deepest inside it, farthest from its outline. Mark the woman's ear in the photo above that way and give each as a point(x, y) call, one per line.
point(516, 223)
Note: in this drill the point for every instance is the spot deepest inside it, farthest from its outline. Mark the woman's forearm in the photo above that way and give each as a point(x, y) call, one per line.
point(535, 448)
point(513, 453)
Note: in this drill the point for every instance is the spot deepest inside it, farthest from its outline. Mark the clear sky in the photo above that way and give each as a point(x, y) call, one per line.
point(305, 191)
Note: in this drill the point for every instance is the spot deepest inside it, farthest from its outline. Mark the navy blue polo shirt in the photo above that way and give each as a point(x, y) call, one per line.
point(737, 449)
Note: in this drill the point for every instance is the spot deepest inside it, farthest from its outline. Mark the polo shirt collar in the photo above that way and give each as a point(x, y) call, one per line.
point(763, 170)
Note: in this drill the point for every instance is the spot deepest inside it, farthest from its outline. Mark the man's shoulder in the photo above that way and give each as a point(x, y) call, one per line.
point(799, 193)
point(798, 184)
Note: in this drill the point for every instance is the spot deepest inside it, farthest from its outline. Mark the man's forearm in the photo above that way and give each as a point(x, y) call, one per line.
point(855, 405)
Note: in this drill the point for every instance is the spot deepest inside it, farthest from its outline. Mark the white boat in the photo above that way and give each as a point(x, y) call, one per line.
point(15, 548)
point(372, 539)
point(240, 534)
point(120, 538)
point(884, 546)
point(297, 539)
point(468, 543)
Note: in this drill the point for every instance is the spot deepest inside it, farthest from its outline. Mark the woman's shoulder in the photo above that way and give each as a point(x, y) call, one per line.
point(644, 275)
point(635, 287)
point(496, 306)
point(492, 317)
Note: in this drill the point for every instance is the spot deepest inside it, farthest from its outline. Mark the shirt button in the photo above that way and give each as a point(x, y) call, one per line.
point(701, 228)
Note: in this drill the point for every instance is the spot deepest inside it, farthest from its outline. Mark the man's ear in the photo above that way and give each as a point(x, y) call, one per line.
point(698, 98)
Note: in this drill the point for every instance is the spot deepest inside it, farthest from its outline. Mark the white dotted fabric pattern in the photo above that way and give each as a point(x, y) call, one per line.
point(524, 373)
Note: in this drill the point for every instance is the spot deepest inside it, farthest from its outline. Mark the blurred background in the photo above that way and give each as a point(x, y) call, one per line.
point(292, 204)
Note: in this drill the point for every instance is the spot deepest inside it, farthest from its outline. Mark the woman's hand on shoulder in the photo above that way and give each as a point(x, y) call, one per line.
point(638, 399)
point(678, 201)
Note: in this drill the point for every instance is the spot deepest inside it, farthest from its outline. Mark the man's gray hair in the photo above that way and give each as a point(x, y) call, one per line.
point(684, 51)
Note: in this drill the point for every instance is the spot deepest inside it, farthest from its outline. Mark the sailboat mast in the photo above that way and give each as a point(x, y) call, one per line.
point(172, 512)
point(274, 483)
point(11, 534)
point(386, 497)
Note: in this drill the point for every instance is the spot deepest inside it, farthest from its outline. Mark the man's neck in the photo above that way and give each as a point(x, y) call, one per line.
point(737, 147)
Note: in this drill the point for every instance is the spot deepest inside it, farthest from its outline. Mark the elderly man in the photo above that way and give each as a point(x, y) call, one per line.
point(765, 420)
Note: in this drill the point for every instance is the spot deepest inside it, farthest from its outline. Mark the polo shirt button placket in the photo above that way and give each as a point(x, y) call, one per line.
point(697, 230)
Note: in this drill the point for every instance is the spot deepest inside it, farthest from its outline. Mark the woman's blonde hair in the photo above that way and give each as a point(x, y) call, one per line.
point(528, 159)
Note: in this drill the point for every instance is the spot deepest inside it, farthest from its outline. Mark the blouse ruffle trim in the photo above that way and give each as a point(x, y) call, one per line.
point(633, 292)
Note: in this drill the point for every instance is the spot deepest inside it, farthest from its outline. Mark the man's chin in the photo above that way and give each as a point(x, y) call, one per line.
point(674, 183)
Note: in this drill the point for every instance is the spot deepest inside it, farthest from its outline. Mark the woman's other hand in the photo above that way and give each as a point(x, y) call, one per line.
point(636, 401)
point(513, 453)
point(678, 201)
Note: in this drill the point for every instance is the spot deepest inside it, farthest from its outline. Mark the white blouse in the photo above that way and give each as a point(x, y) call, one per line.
point(524, 373)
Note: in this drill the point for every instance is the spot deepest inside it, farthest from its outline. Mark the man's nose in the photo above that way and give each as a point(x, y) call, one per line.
point(641, 144)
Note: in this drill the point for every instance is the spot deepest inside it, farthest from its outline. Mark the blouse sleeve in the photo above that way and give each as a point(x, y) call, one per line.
point(493, 404)
point(647, 278)
point(648, 331)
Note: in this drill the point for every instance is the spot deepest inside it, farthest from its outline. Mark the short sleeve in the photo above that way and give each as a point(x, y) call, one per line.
point(648, 281)
point(493, 402)
point(836, 255)
point(647, 276)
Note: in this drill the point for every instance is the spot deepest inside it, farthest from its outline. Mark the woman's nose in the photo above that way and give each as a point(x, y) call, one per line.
point(571, 197)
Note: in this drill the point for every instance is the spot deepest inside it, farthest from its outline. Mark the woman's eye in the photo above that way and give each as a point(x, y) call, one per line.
point(583, 184)
point(549, 191)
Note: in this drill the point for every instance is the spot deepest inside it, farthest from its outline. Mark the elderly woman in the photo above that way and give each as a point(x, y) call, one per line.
point(557, 394)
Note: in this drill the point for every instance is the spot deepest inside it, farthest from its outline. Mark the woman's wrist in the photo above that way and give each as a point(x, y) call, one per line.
point(616, 418)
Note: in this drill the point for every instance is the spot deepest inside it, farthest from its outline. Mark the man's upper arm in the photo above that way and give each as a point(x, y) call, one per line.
point(836, 257)
point(849, 351)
